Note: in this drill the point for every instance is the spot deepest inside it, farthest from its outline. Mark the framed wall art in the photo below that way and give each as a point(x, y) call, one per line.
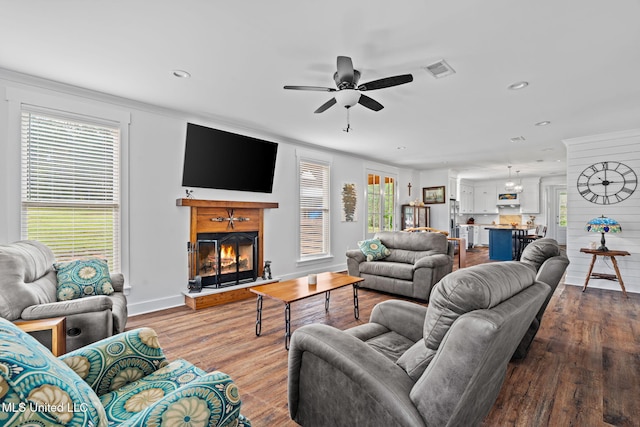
point(433, 195)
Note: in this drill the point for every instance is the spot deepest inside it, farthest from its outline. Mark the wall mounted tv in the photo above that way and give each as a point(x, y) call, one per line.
point(217, 159)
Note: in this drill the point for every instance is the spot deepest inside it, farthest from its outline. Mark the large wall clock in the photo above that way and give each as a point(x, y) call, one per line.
point(606, 183)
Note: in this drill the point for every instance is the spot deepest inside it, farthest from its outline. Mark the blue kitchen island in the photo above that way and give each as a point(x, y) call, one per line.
point(505, 243)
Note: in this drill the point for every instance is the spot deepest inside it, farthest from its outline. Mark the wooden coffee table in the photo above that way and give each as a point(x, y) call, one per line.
point(297, 289)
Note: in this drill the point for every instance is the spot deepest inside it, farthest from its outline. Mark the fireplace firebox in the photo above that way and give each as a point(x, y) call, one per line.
point(226, 259)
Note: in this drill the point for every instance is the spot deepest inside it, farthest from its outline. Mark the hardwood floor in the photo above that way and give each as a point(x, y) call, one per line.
point(583, 368)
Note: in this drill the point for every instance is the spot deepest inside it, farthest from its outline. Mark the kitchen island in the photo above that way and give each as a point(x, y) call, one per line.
point(505, 243)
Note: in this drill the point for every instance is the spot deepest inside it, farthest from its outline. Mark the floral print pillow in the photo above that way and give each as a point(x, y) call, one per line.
point(82, 278)
point(373, 249)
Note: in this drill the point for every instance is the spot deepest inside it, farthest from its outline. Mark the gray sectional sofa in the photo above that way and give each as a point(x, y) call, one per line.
point(411, 365)
point(550, 262)
point(416, 262)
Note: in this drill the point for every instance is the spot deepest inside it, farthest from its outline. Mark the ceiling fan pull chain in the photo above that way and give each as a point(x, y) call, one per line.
point(348, 128)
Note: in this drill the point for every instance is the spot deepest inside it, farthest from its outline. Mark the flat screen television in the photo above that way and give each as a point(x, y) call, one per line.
point(214, 158)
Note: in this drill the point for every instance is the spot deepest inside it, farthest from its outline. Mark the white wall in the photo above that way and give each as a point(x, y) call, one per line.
point(582, 152)
point(440, 211)
point(158, 230)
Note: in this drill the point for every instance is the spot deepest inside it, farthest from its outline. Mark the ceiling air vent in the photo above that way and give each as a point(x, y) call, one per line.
point(440, 69)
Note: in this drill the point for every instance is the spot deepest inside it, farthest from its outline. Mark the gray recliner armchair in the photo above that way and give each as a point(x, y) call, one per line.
point(549, 261)
point(441, 365)
point(416, 262)
point(28, 292)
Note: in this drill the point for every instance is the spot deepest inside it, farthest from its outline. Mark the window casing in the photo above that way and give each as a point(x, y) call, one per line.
point(314, 184)
point(70, 185)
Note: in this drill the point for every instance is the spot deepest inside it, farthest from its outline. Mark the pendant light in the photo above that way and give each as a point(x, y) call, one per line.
point(509, 185)
point(518, 187)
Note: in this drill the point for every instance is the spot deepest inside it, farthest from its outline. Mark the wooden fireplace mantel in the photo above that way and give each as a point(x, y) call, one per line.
point(225, 204)
point(250, 217)
point(219, 216)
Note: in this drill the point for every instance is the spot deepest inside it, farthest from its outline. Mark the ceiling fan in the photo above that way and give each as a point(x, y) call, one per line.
point(348, 92)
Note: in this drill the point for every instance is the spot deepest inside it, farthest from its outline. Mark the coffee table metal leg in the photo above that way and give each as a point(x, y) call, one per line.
point(259, 316)
point(326, 300)
point(356, 308)
point(287, 325)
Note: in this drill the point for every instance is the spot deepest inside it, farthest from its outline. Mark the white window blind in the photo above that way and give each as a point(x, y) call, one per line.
point(70, 186)
point(314, 208)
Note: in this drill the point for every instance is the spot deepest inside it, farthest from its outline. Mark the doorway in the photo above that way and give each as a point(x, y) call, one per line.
point(381, 195)
point(557, 213)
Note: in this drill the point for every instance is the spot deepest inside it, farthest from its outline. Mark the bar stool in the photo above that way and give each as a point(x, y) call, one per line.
point(541, 231)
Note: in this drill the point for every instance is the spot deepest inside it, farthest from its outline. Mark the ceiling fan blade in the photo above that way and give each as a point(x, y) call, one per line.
point(315, 88)
point(345, 69)
point(323, 107)
point(370, 103)
point(386, 82)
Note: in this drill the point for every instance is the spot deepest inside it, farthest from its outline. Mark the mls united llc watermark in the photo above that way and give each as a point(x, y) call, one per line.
point(43, 407)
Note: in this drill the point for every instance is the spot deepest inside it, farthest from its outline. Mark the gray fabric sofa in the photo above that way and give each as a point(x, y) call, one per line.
point(28, 292)
point(550, 262)
point(441, 365)
point(416, 263)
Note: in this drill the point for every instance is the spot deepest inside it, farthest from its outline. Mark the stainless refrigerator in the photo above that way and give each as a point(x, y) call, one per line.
point(454, 209)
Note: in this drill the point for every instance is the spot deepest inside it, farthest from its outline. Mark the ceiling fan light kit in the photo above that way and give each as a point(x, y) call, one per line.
point(347, 97)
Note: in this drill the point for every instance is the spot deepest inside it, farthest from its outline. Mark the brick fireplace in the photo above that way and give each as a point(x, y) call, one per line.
point(225, 246)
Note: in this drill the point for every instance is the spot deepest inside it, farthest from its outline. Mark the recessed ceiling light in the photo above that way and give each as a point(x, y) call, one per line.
point(517, 139)
point(518, 85)
point(181, 74)
point(401, 147)
point(543, 123)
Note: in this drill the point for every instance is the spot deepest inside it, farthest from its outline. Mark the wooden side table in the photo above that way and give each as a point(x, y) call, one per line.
point(462, 250)
point(610, 254)
point(58, 331)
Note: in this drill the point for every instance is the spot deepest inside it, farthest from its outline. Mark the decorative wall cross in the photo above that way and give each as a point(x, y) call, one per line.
point(409, 187)
point(231, 219)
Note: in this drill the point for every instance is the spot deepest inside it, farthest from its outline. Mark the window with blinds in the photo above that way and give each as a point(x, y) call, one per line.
point(314, 208)
point(70, 186)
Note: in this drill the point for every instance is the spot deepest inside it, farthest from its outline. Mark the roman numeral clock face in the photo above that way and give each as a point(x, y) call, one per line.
point(606, 183)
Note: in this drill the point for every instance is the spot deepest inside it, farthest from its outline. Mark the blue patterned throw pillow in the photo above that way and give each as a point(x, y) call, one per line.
point(373, 249)
point(83, 278)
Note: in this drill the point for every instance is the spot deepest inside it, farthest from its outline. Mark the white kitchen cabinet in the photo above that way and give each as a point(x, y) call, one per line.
point(530, 196)
point(466, 198)
point(484, 199)
point(483, 236)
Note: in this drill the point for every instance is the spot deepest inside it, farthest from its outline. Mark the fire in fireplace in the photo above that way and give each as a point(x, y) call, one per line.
point(225, 259)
